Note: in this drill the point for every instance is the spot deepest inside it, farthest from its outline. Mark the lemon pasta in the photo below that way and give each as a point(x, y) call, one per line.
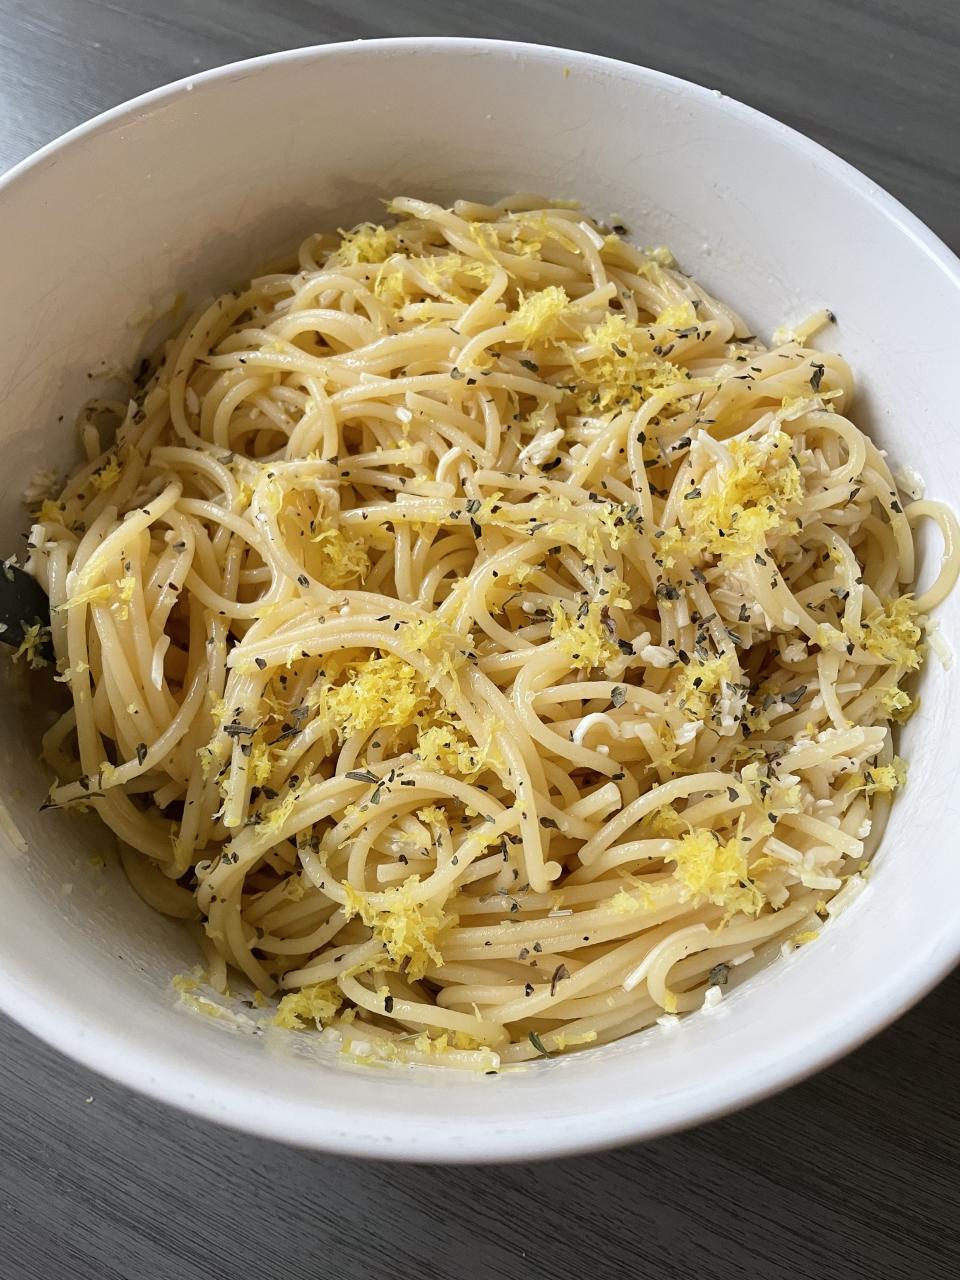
point(480, 637)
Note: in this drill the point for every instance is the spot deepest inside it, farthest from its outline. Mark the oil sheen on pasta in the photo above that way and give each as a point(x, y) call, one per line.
point(483, 639)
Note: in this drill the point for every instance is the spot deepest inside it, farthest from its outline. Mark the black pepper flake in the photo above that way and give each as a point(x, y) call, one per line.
point(261, 663)
point(618, 695)
point(528, 989)
point(388, 1004)
point(141, 752)
point(551, 823)
point(456, 373)
point(718, 975)
point(817, 376)
point(303, 580)
point(529, 364)
point(733, 795)
point(475, 528)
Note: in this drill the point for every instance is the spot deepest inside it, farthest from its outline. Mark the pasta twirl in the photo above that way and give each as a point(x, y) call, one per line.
point(482, 636)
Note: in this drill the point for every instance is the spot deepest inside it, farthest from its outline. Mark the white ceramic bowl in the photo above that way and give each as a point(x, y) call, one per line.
point(193, 185)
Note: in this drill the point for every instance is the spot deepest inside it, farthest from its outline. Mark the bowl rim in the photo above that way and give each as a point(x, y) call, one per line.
point(151, 1069)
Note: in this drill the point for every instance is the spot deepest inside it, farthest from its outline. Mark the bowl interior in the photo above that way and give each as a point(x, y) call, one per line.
point(192, 189)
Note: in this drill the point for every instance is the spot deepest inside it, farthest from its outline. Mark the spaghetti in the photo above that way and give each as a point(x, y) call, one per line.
point(483, 639)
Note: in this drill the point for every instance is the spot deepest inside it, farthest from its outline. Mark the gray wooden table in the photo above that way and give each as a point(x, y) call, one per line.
point(852, 1174)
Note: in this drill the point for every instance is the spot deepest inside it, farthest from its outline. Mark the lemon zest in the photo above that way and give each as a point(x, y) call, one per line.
point(106, 476)
point(317, 1003)
point(581, 638)
point(709, 868)
point(539, 315)
point(341, 558)
point(894, 632)
point(444, 748)
point(34, 638)
point(733, 509)
point(681, 315)
point(367, 242)
point(621, 370)
point(408, 931)
point(881, 779)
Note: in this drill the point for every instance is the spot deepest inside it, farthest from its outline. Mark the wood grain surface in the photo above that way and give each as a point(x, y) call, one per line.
point(853, 1174)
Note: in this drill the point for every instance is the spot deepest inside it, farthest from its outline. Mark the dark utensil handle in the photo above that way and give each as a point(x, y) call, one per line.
point(23, 602)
